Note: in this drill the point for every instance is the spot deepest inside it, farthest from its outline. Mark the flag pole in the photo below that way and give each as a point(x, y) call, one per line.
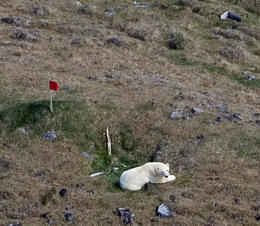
point(51, 106)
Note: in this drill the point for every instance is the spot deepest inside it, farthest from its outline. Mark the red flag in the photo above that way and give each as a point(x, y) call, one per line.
point(54, 85)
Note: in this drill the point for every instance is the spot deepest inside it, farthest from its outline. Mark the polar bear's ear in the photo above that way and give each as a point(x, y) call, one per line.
point(167, 164)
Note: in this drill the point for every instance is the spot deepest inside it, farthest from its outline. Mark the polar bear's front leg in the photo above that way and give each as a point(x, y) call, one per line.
point(162, 180)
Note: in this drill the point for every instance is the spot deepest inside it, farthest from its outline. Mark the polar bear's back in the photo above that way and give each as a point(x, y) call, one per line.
point(133, 179)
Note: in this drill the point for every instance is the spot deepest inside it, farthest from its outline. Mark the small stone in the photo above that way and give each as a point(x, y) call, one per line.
point(196, 111)
point(237, 116)
point(109, 75)
point(114, 41)
point(17, 224)
point(126, 214)
point(46, 215)
point(69, 216)
point(257, 217)
point(50, 135)
point(41, 11)
point(23, 130)
point(86, 155)
point(176, 115)
point(110, 11)
point(222, 107)
point(77, 42)
point(251, 78)
point(4, 163)
point(164, 211)
point(200, 137)
point(257, 122)
point(63, 192)
point(217, 120)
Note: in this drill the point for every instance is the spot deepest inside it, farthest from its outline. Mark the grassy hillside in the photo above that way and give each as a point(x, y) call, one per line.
point(128, 68)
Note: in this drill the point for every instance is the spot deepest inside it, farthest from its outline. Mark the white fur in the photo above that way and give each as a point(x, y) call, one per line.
point(151, 172)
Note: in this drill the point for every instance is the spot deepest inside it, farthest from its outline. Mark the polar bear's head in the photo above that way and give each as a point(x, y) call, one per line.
point(162, 170)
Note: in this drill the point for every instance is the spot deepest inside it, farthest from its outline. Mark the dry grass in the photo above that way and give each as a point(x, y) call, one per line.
point(216, 176)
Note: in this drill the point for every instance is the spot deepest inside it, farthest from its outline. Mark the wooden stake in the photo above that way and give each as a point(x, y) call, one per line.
point(108, 143)
point(51, 106)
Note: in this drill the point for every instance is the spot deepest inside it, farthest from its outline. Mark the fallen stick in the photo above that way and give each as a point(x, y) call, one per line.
point(96, 174)
point(108, 143)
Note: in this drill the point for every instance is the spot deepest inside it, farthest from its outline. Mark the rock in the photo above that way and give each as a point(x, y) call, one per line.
point(164, 211)
point(77, 42)
point(41, 11)
point(222, 107)
point(5, 195)
point(127, 216)
point(50, 135)
point(85, 154)
point(109, 75)
point(110, 11)
point(237, 216)
point(196, 111)
point(257, 122)
point(249, 76)
point(4, 164)
point(200, 137)
point(176, 115)
point(69, 216)
point(16, 224)
point(63, 192)
point(17, 21)
point(257, 217)
point(23, 130)
point(114, 41)
point(33, 35)
point(137, 33)
point(237, 116)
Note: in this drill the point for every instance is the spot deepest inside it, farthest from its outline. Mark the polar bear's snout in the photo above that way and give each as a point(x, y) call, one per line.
point(165, 174)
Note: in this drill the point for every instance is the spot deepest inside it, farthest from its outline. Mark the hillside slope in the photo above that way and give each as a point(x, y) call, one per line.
point(171, 81)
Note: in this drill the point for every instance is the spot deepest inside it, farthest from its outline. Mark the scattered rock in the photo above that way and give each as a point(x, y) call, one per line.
point(237, 216)
point(249, 76)
point(41, 11)
point(114, 41)
point(17, 21)
point(200, 137)
point(23, 130)
point(211, 221)
point(110, 11)
point(77, 42)
point(257, 122)
point(141, 5)
point(137, 33)
point(222, 107)
point(126, 214)
point(196, 111)
point(69, 216)
point(90, 157)
point(4, 164)
point(5, 195)
point(257, 217)
point(33, 35)
point(48, 217)
point(16, 224)
point(63, 192)
point(50, 135)
point(176, 115)
point(164, 211)
point(109, 75)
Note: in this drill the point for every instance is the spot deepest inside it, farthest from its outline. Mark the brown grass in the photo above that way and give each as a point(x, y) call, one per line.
point(216, 177)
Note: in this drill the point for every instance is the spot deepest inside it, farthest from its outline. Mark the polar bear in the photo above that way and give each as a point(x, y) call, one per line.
point(151, 172)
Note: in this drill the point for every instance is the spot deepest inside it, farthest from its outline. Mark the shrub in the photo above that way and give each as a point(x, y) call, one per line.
point(175, 40)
